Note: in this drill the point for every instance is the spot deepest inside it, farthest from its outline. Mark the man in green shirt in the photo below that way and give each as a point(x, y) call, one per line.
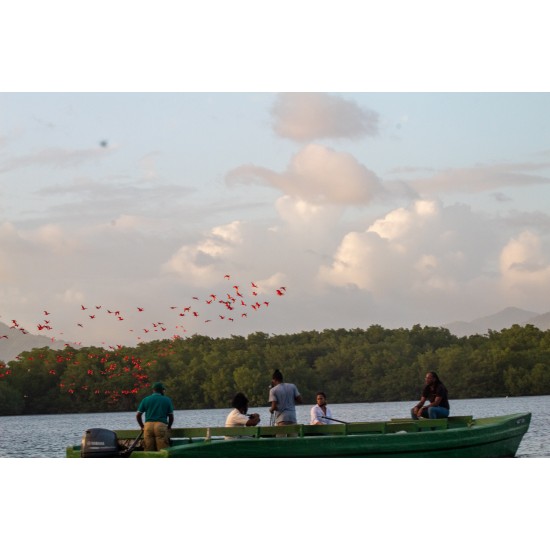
point(159, 417)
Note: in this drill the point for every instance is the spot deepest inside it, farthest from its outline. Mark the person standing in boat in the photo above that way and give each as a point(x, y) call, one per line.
point(159, 417)
point(283, 398)
point(320, 413)
point(435, 392)
point(238, 416)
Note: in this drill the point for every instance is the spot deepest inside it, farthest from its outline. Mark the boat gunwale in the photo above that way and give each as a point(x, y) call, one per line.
point(433, 438)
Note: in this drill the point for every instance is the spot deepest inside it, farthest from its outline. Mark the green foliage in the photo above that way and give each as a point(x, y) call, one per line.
point(357, 365)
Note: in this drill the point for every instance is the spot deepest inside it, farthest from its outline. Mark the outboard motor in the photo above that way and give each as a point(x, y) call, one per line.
point(100, 443)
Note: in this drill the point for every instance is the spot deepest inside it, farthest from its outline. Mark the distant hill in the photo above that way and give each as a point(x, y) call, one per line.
point(541, 321)
point(498, 321)
point(16, 342)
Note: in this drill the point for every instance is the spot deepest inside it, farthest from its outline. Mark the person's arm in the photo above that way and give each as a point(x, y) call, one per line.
point(253, 420)
point(417, 409)
point(313, 419)
point(435, 402)
point(273, 407)
point(315, 416)
point(170, 420)
point(297, 396)
point(139, 419)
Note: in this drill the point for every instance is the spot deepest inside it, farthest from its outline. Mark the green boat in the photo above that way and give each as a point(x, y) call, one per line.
point(453, 437)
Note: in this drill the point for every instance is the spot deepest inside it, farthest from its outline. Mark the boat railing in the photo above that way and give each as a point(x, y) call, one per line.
point(436, 423)
point(395, 425)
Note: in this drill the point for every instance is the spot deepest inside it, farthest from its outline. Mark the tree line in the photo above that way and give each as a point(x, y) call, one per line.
point(351, 366)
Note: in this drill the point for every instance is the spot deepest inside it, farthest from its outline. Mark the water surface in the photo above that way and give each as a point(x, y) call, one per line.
point(47, 436)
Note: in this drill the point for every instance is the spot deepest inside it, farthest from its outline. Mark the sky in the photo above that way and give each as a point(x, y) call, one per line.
point(407, 183)
point(226, 213)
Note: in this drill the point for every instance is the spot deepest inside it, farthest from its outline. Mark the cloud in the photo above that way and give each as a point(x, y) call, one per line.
point(201, 263)
point(316, 174)
point(55, 157)
point(51, 237)
point(310, 116)
point(481, 178)
point(525, 265)
point(415, 256)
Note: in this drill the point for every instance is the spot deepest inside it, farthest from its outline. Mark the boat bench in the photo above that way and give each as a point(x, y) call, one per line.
point(460, 421)
point(436, 423)
point(410, 425)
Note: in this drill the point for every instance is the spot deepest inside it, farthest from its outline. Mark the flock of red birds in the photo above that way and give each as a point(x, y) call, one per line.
point(231, 306)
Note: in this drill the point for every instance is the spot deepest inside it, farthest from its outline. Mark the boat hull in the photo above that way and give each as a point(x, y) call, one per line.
point(481, 438)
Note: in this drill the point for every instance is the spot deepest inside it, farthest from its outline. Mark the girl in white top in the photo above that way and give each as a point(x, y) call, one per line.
point(320, 413)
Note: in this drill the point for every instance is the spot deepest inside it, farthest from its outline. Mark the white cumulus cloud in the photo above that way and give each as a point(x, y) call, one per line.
point(310, 116)
point(316, 174)
point(525, 265)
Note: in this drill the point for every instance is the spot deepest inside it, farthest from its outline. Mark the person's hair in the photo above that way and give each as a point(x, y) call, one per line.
point(434, 374)
point(320, 393)
point(240, 401)
point(278, 375)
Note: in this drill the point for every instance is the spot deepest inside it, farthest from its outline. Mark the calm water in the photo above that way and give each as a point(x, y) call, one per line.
point(47, 436)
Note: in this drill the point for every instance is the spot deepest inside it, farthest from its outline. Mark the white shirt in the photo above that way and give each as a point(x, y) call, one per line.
point(316, 414)
point(236, 418)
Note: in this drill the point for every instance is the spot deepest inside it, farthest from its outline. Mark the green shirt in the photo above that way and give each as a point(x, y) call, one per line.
point(156, 408)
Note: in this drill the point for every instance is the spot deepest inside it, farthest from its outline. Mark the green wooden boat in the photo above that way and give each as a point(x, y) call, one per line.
point(453, 437)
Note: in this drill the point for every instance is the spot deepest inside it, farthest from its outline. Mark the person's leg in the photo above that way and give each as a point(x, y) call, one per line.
point(438, 412)
point(161, 435)
point(149, 436)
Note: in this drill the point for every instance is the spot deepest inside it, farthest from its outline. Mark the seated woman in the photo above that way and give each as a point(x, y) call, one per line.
point(238, 416)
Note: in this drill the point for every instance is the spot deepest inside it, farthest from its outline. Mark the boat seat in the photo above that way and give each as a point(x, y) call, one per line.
point(432, 424)
point(460, 421)
point(280, 430)
point(421, 425)
point(324, 429)
point(233, 431)
point(401, 426)
point(366, 428)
